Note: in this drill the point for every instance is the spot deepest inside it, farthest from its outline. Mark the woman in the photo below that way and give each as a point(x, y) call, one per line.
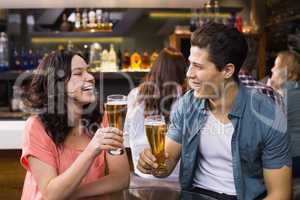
point(286, 80)
point(64, 150)
point(157, 94)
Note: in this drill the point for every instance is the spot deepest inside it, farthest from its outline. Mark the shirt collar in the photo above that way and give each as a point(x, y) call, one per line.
point(239, 104)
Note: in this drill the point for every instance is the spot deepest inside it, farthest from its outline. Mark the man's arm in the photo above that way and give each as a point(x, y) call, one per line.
point(276, 159)
point(278, 183)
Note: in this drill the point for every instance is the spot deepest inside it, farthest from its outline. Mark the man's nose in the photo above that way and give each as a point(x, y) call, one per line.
point(190, 72)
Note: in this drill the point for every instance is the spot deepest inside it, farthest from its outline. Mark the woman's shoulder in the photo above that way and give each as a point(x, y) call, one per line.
point(132, 97)
point(34, 128)
point(133, 93)
point(34, 121)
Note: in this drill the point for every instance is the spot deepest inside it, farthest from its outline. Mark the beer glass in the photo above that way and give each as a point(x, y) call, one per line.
point(155, 128)
point(116, 108)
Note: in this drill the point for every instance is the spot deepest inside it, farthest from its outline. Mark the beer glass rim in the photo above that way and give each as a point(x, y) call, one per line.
point(116, 97)
point(155, 119)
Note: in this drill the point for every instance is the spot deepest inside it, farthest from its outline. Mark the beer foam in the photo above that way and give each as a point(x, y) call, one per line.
point(154, 123)
point(113, 103)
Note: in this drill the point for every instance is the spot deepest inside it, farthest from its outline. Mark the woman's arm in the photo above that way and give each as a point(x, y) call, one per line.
point(62, 186)
point(117, 179)
point(54, 186)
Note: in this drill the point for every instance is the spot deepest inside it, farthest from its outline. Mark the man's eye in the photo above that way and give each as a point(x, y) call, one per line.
point(198, 67)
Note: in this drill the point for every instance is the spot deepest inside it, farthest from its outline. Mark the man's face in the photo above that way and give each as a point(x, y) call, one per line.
point(278, 73)
point(203, 76)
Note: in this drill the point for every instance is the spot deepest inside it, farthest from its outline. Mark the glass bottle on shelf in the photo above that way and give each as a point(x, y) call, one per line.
point(209, 10)
point(104, 59)
point(84, 19)
point(119, 59)
point(65, 25)
point(99, 18)
point(95, 57)
point(16, 60)
point(31, 59)
point(112, 58)
point(135, 61)
point(145, 61)
point(38, 56)
point(217, 17)
point(106, 25)
point(16, 99)
point(24, 60)
point(4, 57)
point(126, 60)
point(92, 19)
point(77, 19)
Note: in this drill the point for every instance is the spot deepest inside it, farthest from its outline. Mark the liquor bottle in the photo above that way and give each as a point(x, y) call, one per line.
point(84, 19)
point(119, 59)
point(95, 57)
point(31, 59)
point(92, 19)
point(209, 10)
point(104, 59)
point(99, 18)
point(24, 60)
point(145, 61)
point(65, 25)
point(153, 57)
point(126, 60)
point(217, 17)
point(112, 58)
point(16, 99)
point(16, 60)
point(4, 57)
point(135, 61)
point(106, 24)
point(77, 20)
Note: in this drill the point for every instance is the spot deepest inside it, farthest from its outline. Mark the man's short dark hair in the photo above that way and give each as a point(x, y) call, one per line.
point(224, 44)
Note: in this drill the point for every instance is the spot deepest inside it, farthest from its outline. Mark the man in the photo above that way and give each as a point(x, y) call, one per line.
point(231, 140)
point(286, 80)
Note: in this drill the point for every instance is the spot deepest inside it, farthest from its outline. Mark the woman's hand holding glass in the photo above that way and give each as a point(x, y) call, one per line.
point(105, 139)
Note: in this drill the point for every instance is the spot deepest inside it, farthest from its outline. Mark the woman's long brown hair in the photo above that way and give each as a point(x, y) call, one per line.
point(160, 87)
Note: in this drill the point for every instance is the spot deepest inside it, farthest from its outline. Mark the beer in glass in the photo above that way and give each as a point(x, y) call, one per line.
point(116, 108)
point(155, 128)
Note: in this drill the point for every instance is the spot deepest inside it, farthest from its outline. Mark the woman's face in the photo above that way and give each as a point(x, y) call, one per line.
point(81, 86)
point(278, 73)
